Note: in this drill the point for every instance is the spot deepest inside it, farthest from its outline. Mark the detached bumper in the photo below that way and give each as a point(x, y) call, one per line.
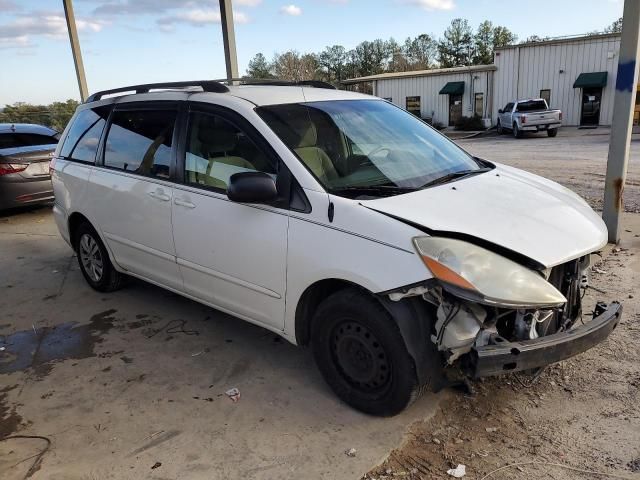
point(508, 357)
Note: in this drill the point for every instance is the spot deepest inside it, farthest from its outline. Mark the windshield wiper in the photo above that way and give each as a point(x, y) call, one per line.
point(385, 190)
point(454, 175)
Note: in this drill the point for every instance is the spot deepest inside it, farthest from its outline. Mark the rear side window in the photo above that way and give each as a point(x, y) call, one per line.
point(81, 143)
point(139, 141)
point(9, 140)
point(531, 106)
point(29, 139)
point(15, 140)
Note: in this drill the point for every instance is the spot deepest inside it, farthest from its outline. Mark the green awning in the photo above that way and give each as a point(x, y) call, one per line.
point(589, 80)
point(453, 88)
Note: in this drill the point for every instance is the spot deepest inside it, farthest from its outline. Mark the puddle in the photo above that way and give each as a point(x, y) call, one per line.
point(40, 349)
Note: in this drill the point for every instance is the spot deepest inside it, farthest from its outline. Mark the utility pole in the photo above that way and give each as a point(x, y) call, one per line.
point(229, 39)
point(75, 48)
point(622, 123)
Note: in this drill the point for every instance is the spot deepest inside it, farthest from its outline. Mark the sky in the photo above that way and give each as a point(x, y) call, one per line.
point(127, 42)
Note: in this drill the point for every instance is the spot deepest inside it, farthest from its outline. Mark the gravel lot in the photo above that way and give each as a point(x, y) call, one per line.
point(575, 158)
point(131, 384)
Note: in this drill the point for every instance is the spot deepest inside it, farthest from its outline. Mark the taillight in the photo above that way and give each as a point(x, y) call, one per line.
point(52, 165)
point(7, 168)
point(560, 116)
point(524, 118)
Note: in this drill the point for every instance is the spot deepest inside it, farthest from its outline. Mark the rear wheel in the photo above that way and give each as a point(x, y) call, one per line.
point(552, 132)
point(516, 131)
point(94, 261)
point(361, 354)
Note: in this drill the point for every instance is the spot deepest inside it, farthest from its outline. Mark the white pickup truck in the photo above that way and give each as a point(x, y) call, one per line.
point(532, 115)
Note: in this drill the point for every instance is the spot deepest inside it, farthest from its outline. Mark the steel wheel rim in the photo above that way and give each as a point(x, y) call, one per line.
point(360, 357)
point(91, 257)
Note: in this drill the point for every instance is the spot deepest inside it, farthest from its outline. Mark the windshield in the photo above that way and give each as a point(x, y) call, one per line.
point(366, 146)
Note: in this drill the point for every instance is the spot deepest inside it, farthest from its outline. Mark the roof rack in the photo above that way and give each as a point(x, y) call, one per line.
point(207, 86)
point(217, 86)
point(278, 82)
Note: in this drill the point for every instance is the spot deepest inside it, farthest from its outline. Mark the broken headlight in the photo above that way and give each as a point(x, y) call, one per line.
point(477, 274)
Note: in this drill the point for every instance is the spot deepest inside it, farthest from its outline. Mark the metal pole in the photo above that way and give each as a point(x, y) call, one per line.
point(75, 48)
point(621, 125)
point(229, 39)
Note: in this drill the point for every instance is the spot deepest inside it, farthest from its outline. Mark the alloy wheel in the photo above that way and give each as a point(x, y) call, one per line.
point(91, 257)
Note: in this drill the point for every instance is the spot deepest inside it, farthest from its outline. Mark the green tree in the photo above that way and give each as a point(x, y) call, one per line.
point(259, 67)
point(333, 62)
point(295, 67)
point(615, 27)
point(502, 37)
point(483, 41)
point(487, 39)
point(61, 113)
point(535, 38)
point(56, 115)
point(456, 48)
point(421, 52)
point(371, 57)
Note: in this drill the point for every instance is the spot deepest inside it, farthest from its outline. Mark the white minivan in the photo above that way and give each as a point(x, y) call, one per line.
point(336, 220)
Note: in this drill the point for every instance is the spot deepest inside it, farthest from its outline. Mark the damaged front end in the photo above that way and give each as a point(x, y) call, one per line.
point(496, 316)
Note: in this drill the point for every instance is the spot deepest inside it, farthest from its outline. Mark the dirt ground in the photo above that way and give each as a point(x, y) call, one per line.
point(575, 158)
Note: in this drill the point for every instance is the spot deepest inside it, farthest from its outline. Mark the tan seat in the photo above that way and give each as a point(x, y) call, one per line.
point(314, 157)
point(214, 144)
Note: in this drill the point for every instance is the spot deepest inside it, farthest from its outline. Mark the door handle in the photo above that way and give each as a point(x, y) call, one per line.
point(184, 203)
point(159, 195)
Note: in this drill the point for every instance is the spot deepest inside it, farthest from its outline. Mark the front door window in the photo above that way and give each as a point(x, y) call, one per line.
point(217, 149)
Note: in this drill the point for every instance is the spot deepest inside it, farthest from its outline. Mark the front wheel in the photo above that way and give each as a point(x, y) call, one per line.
point(94, 261)
point(361, 354)
point(499, 128)
point(552, 132)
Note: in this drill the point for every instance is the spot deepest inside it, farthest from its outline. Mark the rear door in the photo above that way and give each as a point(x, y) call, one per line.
point(131, 190)
point(231, 255)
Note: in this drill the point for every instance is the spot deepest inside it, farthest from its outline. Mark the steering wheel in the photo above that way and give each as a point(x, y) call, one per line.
point(377, 150)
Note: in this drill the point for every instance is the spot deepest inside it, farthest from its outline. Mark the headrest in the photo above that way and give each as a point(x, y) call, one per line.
point(221, 137)
point(308, 135)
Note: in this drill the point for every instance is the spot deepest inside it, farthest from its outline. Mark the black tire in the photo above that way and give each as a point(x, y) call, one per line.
point(361, 354)
point(91, 252)
point(499, 129)
point(552, 132)
point(516, 131)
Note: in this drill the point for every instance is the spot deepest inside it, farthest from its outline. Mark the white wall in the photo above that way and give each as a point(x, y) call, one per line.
point(524, 71)
point(427, 88)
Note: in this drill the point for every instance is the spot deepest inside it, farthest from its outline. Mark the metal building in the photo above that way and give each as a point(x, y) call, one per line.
point(574, 74)
point(442, 95)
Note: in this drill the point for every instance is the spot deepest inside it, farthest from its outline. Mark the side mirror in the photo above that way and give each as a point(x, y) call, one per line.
point(500, 111)
point(252, 187)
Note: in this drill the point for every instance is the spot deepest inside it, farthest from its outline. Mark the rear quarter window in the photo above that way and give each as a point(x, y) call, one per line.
point(139, 141)
point(81, 143)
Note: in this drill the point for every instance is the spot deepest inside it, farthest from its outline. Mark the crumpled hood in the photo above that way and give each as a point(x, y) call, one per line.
point(522, 212)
